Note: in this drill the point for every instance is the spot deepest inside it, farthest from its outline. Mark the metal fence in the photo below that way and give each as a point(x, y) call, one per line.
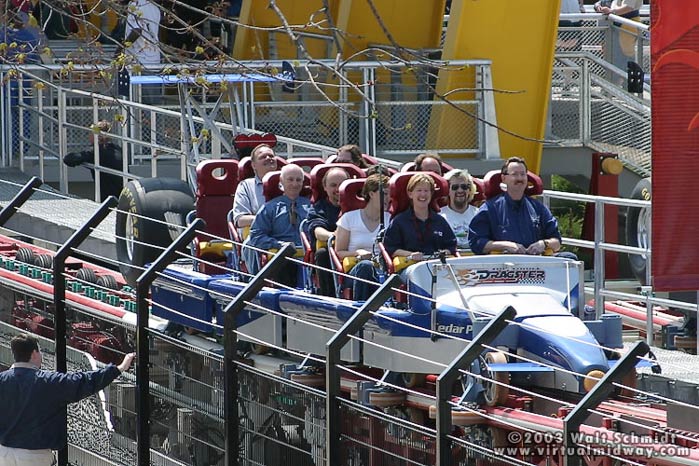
point(388, 112)
point(587, 109)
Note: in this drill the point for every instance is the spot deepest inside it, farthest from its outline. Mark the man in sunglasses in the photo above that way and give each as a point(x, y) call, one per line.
point(513, 223)
point(460, 212)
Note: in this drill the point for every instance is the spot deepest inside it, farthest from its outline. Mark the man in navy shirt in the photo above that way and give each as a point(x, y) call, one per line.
point(419, 231)
point(511, 222)
point(322, 223)
point(33, 419)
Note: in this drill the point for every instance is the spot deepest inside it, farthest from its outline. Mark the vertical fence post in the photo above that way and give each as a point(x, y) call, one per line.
point(62, 140)
point(59, 290)
point(40, 123)
point(230, 343)
point(599, 393)
point(599, 258)
point(446, 380)
point(143, 283)
point(585, 103)
point(332, 372)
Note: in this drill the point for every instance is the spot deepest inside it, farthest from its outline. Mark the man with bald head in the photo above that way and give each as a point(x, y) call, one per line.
point(322, 222)
point(278, 221)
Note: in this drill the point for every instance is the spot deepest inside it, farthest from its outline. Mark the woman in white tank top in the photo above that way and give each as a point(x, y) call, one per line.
point(356, 233)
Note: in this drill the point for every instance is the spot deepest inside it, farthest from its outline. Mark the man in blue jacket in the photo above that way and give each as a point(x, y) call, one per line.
point(511, 222)
point(278, 221)
point(33, 419)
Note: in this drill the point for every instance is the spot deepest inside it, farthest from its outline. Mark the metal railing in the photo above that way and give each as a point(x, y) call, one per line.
point(600, 245)
point(392, 117)
point(588, 108)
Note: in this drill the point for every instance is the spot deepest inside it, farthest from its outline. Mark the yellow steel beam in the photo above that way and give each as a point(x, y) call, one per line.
point(519, 37)
point(253, 43)
point(415, 24)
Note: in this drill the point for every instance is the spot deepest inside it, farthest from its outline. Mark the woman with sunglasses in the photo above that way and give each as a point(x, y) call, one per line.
point(356, 233)
point(459, 212)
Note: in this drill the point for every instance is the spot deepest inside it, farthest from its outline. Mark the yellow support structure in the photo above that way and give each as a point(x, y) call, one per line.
point(254, 44)
point(415, 24)
point(519, 37)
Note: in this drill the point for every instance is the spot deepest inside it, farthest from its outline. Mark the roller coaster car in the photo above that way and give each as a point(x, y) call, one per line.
point(468, 292)
point(450, 302)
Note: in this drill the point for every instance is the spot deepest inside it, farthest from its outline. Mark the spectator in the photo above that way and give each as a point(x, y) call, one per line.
point(322, 222)
point(351, 153)
point(419, 231)
point(624, 44)
point(142, 44)
point(459, 212)
point(513, 223)
point(356, 234)
point(142, 31)
point(278, 221)
point(428, 163)
point(34, 401)
point(570, 40)
point(110, 156)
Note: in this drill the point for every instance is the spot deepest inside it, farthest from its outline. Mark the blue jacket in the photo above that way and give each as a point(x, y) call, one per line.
point(33, 404)
point(503, 219)
point(272, 224)
point(408, 232)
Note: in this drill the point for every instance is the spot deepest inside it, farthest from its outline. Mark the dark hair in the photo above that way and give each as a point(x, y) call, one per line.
point(377, 169)
point(372, 184)
point(420, 158)
point(23, 346)
point(356, 154)
point(503, 169)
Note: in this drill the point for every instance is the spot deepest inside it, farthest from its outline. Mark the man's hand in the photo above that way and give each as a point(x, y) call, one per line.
point(537, 248)
point(125, 364)
point(510, 247)
point(415, 256)
point(73, 159)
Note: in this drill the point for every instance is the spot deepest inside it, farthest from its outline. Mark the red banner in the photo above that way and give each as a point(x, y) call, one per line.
point(675, 116)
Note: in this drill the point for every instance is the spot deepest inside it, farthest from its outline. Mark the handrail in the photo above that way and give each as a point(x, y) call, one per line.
point(242, 67)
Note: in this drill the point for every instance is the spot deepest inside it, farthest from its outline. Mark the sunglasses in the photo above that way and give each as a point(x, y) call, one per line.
point(465, 187)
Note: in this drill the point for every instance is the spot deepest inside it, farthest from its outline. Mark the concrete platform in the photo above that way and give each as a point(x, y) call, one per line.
point(49, 217)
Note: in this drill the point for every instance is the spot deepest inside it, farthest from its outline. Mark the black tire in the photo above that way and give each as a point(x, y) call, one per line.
point(140, 240)
point(636, 234)
point(45, 261)
point(86, 276)
point(25, 255)
point(108, 282)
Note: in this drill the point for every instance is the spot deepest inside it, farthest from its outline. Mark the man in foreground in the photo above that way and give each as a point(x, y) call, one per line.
point(33, 419)
point(511, 222)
